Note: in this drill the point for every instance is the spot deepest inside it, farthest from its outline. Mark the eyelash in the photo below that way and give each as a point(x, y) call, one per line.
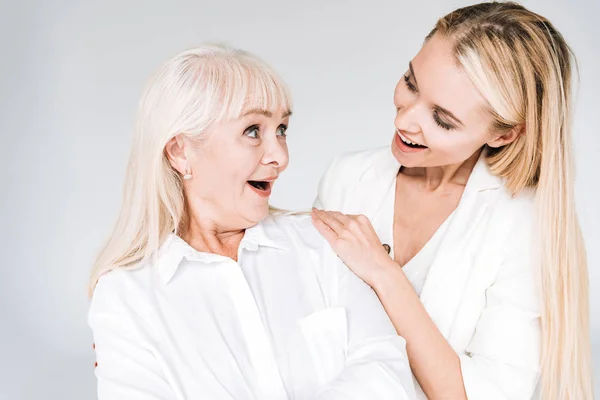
point(436, 117)
point(285, 128)
point(441, 123)
point(409, 84)
point(257, 128)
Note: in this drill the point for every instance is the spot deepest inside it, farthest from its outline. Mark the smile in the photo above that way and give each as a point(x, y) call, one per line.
point(408, 142)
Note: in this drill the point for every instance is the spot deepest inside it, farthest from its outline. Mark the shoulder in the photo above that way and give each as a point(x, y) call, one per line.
point(295, 229)
point(512, 235)
point(344, 172)
point(353, 163)
point(304, 244)
point(123, 290)
point(518, 212)
point(522, 202)
point(301, 239)
point(508, 212)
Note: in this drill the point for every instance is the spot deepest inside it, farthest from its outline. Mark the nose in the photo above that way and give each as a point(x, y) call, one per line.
point(276, 154)
point(407, 117)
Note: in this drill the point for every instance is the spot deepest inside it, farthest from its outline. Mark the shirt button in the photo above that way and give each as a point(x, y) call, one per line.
point(387, 248)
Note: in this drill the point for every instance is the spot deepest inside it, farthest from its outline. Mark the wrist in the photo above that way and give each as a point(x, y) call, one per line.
point(386, 275)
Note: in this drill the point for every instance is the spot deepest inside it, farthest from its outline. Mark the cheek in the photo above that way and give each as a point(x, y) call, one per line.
point(453, 145)
point(239, 158)
point(222, 170)
point(285, 159)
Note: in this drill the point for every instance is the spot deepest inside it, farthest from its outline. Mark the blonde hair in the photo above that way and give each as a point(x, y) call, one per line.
point(188, 94)
point(522, 66)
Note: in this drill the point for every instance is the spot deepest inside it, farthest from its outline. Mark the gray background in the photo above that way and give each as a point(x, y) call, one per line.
point(70, 77)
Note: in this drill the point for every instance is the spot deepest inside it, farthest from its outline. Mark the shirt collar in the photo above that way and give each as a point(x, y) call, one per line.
point(264, 234)
point(481, 178)
point(174, 249)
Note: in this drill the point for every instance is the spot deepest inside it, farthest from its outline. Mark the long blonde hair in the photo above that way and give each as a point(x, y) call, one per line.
point(189, 93)
point(522, 66)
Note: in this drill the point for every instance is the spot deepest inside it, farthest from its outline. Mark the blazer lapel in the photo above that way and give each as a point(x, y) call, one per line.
point(443, 287)
point(452, 266)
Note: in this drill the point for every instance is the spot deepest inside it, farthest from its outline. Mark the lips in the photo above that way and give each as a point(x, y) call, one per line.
point(262, 187)
point(409, 142)
point(406, 148)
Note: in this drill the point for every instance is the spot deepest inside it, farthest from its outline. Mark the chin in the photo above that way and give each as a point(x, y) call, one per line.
point(264, 213)
point(404, 160)
point(258, 213)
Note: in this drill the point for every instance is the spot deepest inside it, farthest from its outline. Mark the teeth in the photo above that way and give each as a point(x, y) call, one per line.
point(405, 140)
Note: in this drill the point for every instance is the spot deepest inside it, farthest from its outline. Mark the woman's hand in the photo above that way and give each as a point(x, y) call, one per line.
point(354, 240)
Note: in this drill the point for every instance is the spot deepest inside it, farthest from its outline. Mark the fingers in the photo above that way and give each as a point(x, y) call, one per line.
point(324, 230)
point(342, 223)
point(334, 220)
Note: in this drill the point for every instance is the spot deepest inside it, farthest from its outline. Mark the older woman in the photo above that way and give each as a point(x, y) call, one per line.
point(199, 292)
point(487, 281)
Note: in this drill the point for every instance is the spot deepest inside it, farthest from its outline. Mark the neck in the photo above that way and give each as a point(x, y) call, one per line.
point(440, 178)
point(208, 236)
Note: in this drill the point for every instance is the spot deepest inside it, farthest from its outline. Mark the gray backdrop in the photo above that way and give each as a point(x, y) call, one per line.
point(71, 73)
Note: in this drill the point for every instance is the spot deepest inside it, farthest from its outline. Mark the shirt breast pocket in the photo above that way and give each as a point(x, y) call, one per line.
point(326, 335)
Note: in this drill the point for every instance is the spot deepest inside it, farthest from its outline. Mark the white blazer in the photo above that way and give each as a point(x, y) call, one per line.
point(482, 290)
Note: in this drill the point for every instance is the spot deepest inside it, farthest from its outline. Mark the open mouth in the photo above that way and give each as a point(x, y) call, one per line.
point(260, 185)
point(410, 143)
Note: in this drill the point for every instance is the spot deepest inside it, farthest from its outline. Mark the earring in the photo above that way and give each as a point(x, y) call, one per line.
point(187, 175)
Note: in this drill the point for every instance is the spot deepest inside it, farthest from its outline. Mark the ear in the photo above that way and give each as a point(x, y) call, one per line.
point(176, 154)
point(508, 137)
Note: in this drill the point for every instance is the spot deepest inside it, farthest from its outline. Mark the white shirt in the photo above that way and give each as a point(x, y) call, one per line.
point(417, 268)
point(287, 321)
point(482, 289)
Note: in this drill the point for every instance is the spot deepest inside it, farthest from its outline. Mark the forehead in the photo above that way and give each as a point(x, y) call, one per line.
point(443, 82)
point(277, 113)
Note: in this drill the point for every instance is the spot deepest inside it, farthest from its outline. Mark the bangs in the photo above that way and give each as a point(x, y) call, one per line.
point(241, 83)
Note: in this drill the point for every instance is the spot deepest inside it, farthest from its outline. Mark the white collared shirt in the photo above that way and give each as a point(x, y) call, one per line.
point(287, 321)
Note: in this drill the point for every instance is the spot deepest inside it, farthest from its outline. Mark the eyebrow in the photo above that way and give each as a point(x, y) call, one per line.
point(412, 73)
point(266, 113)
point(442, 110)
point(439, 109)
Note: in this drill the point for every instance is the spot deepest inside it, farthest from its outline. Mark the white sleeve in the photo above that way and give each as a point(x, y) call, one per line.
point(326, 187)
point(503, 359)
point(126, 367)
point(376, 361)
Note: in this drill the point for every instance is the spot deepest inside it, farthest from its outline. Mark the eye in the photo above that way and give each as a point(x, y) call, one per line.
point(252, 131)
point(440, 123)
point(281, 130)
point(409, 84)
